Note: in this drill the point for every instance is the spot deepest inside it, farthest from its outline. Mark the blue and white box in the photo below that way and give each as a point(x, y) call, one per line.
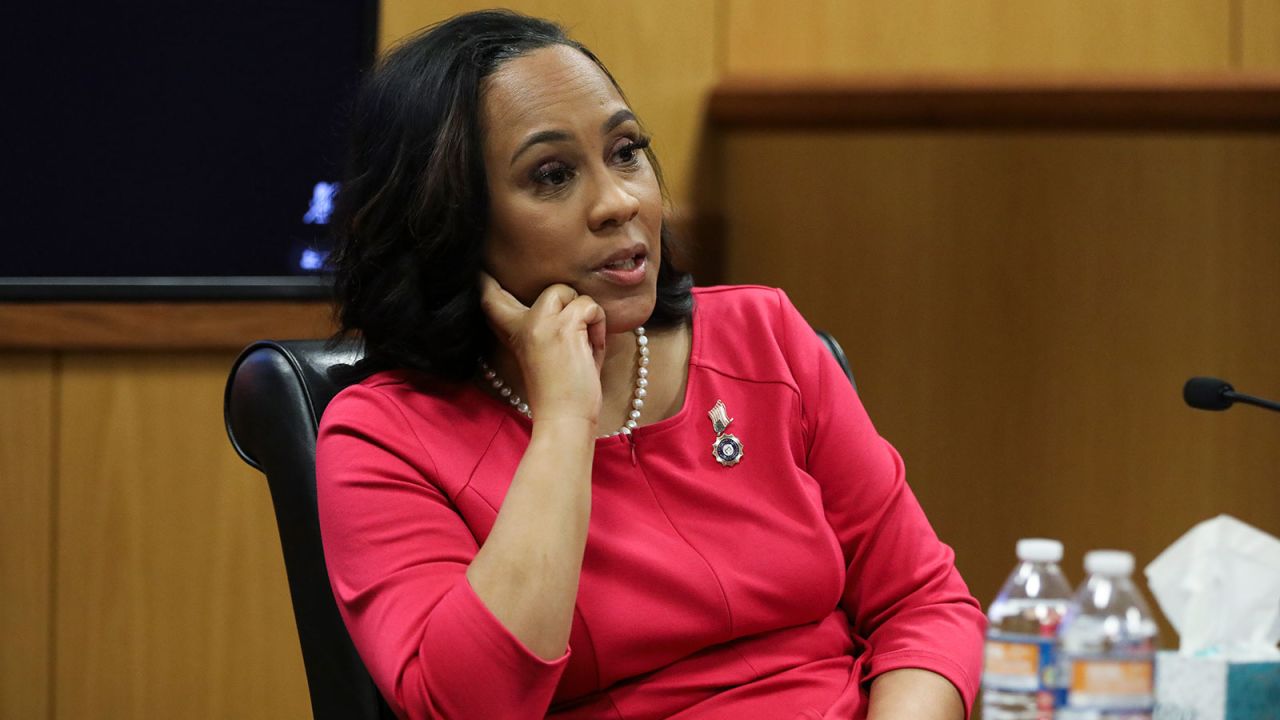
point(1209, 688)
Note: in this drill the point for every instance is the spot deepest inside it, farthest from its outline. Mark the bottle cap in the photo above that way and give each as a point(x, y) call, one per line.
point(1039, 550)
point(1108, 562)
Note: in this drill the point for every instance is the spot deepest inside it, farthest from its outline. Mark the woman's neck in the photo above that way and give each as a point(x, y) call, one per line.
point(619, 366)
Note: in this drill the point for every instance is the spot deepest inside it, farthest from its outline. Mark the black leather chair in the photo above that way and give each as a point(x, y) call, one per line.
point(274, 398)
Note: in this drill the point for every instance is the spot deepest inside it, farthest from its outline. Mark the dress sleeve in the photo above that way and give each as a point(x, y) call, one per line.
point(902, 592)
point(397, 552)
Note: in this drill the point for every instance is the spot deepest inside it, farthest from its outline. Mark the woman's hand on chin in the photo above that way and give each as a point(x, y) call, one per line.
point(559, 344)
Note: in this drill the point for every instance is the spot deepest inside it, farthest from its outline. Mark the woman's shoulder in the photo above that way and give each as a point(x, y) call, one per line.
point(736, 294)
point(407, 399)
point(746, 330)
point(754, 304)
point(391, 386)
point(757, 307)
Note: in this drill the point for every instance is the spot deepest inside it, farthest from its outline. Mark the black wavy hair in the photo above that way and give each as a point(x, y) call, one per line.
point(412, 212)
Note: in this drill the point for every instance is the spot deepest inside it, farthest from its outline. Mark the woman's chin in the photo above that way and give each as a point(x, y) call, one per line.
point(625, 315)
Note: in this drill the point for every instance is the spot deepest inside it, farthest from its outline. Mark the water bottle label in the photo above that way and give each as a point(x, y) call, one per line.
point(1111, 684)
point(1012, 666)
point(1020, 666)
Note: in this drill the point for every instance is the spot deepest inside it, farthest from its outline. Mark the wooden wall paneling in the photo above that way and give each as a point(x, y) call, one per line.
point(27, 384)
point(662, 52)
point(1021, 312)
point(836, 36)
point(159, 325)
point(1221, 102)
point(1259, 34)
point(172, 599)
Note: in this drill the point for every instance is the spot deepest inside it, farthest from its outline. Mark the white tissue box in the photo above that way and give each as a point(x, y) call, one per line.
point(1199, 688)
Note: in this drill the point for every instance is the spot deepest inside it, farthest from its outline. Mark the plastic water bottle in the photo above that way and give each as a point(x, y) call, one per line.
point(1109, 640)
point(1018, 678)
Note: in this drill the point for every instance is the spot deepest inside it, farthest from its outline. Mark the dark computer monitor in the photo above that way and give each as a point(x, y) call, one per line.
point(180, 149)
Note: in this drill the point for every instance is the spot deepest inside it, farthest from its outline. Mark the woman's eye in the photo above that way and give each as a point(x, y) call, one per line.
point(629, 150)
point(553, 174)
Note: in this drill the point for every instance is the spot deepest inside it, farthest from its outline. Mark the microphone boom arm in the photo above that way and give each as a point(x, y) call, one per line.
point(1251, 400)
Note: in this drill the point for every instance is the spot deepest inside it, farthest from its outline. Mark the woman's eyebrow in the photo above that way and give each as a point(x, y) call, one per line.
point(617, 119)
point(539, 137)
point(543, 136)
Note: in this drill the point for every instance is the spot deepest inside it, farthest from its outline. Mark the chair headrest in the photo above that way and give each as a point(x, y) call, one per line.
point(296, 377)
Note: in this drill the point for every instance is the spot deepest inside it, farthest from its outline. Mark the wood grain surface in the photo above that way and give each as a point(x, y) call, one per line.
point(1155, 102)
point(158, 325)
point(171, 593)
point(27, 442)
point(835, 36)
point(1259, 34)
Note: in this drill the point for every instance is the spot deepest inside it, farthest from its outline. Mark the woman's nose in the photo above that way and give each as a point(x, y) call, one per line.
point(614, 204)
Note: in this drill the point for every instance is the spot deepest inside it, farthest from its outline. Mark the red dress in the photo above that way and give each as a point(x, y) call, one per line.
point(775, 588)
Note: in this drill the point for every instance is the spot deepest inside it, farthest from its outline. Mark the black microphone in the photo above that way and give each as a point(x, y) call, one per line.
point(1206, 393)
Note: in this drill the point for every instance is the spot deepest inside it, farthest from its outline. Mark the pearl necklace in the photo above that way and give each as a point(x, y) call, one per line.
point(637, 400)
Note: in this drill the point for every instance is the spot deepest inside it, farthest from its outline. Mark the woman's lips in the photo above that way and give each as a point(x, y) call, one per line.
point(630, 271)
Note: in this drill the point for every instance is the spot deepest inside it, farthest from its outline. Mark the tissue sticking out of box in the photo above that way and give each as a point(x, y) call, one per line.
point(1219, 585)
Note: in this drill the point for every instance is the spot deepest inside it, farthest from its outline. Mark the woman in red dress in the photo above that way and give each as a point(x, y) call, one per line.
point(571, 485)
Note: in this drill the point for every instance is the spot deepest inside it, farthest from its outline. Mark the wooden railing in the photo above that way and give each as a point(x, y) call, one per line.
point(228, 325)
point(1192, 103)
